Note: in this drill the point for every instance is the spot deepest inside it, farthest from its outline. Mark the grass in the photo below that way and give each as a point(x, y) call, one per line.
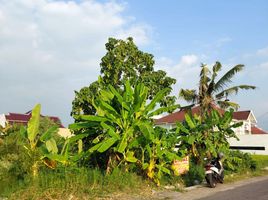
point(262, 163)
point(77, 183)
point(82, 183)
point(262, 160)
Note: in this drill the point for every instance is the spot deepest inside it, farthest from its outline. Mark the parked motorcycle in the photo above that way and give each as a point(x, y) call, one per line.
point(214, 171)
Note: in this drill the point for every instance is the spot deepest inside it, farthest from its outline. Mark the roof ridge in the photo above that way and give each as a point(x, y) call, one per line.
point(18, 113)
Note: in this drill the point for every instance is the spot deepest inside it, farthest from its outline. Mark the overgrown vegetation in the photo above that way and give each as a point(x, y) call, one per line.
point(73, 182)
point(126, 136)
point(261, 160)
point(116, 146)
point(245, 166)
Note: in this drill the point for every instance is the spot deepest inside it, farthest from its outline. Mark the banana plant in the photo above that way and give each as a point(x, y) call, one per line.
point(159, 154)
point(38, 143)
point(66, 155)
point(207, 137)
point(127, 128)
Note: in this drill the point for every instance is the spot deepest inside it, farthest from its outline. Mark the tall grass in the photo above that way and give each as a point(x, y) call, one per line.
point(261, 160)
point(78, 182)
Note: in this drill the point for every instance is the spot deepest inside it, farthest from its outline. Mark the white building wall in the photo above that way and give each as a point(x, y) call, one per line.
point(3, 120)
point(251, 141)
point(167, 126)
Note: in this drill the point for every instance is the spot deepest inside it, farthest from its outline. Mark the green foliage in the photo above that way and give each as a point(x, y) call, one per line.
point(124, 61)
point(195, 175)
point(213, 92)
point(209, 137)
point(237, 161)
point(16, 155)
point(124, 131)
point(82, 103)
point(72, 182)
point(33, 126)
point(5, 130)
point(14, 161)
point(38, 144)
point(261, 160)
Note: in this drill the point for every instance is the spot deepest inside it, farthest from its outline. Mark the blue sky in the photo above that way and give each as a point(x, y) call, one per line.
point(187, 26)
point(50, 48)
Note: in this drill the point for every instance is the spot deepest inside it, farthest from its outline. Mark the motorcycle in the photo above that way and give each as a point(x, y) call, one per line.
point(214, 173)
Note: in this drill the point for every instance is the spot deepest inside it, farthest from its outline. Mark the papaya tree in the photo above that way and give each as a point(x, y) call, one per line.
point(127, 134)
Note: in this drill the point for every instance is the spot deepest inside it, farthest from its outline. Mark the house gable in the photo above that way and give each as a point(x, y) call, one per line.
point(246, 115)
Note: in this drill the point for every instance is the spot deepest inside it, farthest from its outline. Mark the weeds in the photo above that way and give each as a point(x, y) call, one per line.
point(77, 182)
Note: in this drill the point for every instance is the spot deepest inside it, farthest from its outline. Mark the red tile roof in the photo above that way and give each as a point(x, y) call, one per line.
point(16, 117)
point(241, 115)
point(179, 115)
point(256, 130)
point(24, 118)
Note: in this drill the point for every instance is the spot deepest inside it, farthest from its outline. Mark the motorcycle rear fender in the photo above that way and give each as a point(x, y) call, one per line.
point(209, 172)
point(215, 169)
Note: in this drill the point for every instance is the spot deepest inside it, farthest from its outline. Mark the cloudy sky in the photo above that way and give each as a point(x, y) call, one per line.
point(50, 48)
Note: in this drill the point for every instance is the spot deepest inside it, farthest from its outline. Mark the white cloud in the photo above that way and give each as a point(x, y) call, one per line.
point(264, 66)
point(185, 71)
point(263, 52)
point(139, 32)
point(188, 60)
point(222, 41)
point(50, 48)
point(255, 73)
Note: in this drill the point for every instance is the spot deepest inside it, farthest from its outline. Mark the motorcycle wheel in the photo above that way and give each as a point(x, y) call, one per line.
point(211, 180)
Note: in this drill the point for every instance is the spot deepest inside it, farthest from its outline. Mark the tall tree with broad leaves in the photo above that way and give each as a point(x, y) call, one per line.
point(212, 90)
point(124, 61)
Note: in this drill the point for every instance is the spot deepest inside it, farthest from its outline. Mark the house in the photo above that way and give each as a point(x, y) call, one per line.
point(170, 120)
point(23, 119)
point(18, 118)
point(252, 139)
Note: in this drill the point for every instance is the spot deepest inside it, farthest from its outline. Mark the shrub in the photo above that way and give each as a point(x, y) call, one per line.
point(238, 161)
point(195, 175)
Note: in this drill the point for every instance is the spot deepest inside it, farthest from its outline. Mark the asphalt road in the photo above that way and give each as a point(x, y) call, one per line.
point(252, 191)
point(248, 189)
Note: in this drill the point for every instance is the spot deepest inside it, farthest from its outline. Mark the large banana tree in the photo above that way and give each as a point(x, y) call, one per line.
point(128, 135)
point(212, 90)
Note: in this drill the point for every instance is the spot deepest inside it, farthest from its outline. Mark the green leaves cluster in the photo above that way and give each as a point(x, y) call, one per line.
point(128, 135)
point(42, 147)
point(213, 91)
point(208, 137)
point(124, 61)
point(38, 143)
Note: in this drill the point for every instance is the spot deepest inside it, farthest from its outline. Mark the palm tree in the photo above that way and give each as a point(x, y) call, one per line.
point(214, 92)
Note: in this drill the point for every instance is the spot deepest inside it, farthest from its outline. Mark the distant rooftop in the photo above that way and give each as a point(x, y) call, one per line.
point(24, 118)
